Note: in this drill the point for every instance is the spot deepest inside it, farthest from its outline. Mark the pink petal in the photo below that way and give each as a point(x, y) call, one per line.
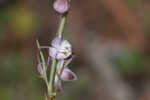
point(61, 6)
point(68, 75)
point(52, 52)
point(56, 42)
point(60, 56)
point(65, 43)
point(44, 47)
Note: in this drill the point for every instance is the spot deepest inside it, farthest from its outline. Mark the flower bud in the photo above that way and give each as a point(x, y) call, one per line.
point(39, 68)
point(68, 75)
point(61, 6)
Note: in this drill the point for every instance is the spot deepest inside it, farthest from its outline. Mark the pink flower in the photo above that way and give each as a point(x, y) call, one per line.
point(61, 49)
point(67, 74)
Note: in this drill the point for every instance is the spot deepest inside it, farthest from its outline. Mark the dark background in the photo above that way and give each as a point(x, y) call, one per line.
point(110, 40)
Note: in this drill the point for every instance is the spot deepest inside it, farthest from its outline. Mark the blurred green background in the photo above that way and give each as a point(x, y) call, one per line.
point(110, 39)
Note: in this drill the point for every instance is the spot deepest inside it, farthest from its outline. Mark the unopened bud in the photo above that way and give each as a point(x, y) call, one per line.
point(61, 6)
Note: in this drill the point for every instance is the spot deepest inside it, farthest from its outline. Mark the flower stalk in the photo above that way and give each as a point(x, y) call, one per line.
point(61, 53)
point(52, 77)
point(62, 24)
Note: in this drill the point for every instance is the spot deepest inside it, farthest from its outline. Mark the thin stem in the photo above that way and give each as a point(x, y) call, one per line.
point(43, 63)
point(62, 24)
point(52, 76)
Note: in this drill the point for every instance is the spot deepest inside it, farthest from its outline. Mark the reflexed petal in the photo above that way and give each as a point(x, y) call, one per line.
point(39, 68)
point(68, 61)
point(68, 75)
point(52, 52)
point(56, 42)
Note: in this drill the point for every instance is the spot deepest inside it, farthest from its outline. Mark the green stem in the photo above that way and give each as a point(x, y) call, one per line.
point(62, 24)
point(52, 76)
point(43, 63)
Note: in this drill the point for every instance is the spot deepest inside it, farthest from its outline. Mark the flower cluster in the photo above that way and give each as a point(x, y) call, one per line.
point(62, 51)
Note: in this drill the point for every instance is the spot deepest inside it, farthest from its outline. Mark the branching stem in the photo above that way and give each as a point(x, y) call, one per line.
point(43, 64)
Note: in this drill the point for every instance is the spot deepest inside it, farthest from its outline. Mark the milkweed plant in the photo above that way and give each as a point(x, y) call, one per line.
point(54, 70)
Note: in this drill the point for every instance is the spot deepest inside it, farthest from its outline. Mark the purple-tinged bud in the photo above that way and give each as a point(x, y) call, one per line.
point(39, 68)
point(68, 75)
point(61, 6)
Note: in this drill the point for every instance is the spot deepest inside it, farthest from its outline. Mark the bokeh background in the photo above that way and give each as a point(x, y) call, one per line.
point(111, 44)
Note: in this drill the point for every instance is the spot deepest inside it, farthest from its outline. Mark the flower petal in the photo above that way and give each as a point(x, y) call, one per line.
point(65, 44)
point(68, 61)
point(60, 55)
point(52, 52)
point(61, 6)
point(68, 75)
point(56, 42)
point(63, 54)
